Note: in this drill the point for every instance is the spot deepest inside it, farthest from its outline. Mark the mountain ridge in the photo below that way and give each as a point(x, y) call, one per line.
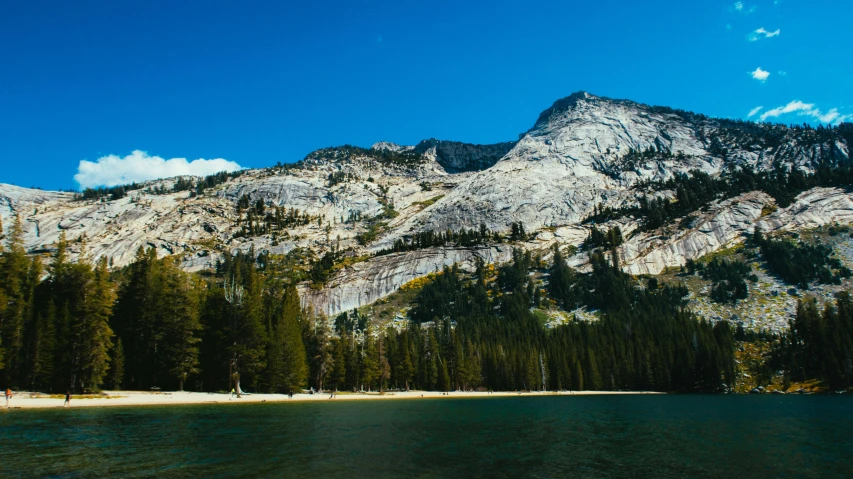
point(582, 154)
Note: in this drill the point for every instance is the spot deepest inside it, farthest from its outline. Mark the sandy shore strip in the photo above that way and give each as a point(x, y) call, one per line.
point(26, 400)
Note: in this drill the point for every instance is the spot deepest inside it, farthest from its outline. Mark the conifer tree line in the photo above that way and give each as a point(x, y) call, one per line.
point(819, 343)
point(77, 326)
point(728, 278)
point(698, 189)
point(55, 333)
point(429, 238)
point(261, 219)
point(799, 263)
point(196, 188)
point(465, 238)
point(406, 158)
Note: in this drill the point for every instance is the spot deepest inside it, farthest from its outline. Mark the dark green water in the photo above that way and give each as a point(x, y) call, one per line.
point(616, 436)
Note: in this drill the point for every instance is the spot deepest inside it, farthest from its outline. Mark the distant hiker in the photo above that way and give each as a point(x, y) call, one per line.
point(67, 399)
point(8, 396)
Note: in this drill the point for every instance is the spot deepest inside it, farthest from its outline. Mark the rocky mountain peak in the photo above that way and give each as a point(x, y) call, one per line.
point(389, 146)
point(564, 105)
point(584, 153)
point(457, 157)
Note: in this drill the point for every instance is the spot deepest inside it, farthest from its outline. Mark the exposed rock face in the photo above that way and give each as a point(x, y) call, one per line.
point(732, 221)
point(729, 222)
point(388, 146)
point(458, 157)
point(454, 156)
point(583, 151)
point(578, 155)
point(814, 208)
point(366, 282)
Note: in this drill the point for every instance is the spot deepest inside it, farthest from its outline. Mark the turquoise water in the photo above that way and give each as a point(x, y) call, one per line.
point(542, 437)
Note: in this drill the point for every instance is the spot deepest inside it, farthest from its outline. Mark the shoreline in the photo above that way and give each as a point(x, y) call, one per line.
point(27, 400)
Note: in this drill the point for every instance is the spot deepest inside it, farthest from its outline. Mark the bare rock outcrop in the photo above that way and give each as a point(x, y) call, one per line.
point(582, 152)
point(366, 282)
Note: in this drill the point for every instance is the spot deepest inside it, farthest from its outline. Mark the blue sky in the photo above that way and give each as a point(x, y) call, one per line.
point(254, 83)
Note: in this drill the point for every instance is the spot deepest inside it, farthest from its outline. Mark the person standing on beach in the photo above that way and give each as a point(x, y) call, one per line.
point(8, 396)
point(67, 399)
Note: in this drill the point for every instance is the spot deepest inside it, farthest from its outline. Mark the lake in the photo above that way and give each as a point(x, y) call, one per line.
point(540, 437)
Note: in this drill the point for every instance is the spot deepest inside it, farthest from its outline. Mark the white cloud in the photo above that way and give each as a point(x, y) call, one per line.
point(754, 111)
point(761, 33)
point(138, 166)
point(742, 8)
point(806, 109)
point(794, 106)
point(760, 74)
point(830, 116)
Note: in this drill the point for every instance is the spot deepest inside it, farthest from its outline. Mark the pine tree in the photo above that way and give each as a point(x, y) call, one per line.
point(15, 266)
point(473, 367)
point(317, 339)
point(44, 349)
point(3, 299)
point(577, 376)
point(370, 362)
point(181, 315)
point(117, 366)
point(31, 318)
point(290, 335)
point(444, 377)
point(353, 365)
point(137, 320)
point(432, 370)
point(406, 368)
point(248, 340)
point(384, 365)
point(97, 334)
point(339, 368)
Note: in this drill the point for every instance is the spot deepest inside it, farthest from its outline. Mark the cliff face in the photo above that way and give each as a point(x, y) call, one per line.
point(366, 282)
point(583, 151)
point(456, 157)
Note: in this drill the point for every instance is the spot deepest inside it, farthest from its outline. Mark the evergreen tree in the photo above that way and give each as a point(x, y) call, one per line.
point(180, 311)
point(96, 335)
point(443, 376)
point(136, 320)
point(14, 270)
point(317, 339)
point(406, 366)
point(3, 299)
point(117, 366)
point(289, 333)
point(339, 370)
point(44, 348)
point(246, 330)
point(369, 362)
point(384, 364)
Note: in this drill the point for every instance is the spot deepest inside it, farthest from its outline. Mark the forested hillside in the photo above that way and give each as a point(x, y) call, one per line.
point(150, 324)
point(223, 281)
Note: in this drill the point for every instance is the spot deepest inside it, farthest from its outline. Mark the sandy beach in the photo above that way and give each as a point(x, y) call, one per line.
point(27, 400)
